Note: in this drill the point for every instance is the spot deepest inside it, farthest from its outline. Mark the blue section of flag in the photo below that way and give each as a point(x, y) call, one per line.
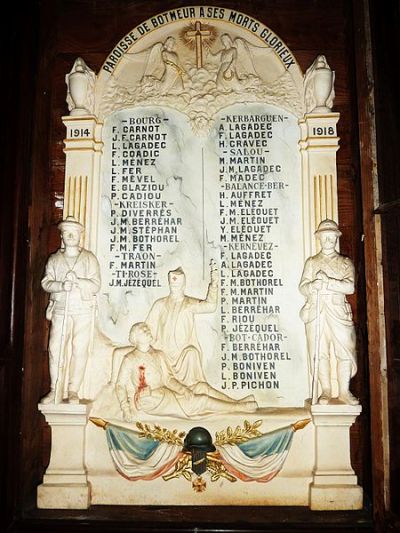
point(129, 442)
point(277, 441)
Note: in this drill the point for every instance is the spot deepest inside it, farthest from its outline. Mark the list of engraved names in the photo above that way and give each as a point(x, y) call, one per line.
point(142, 221)
point(251, 179)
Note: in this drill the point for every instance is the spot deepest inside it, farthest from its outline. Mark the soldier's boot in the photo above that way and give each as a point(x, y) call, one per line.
point(215, 405)
point(203, 388)
point(247, 407)
point(344, 376)
point(73, 397)
point(49, 398)
point(249, 398)
point(324, 376)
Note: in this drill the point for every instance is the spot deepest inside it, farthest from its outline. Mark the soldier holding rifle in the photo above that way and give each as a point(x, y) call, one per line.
point(327, 278)
point(72, 278)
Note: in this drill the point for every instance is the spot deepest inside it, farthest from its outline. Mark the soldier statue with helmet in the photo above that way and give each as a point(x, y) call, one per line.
point(327, 278)
point(72, 278)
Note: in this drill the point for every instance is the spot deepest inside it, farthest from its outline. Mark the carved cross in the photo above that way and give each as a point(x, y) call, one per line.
point(198, 35)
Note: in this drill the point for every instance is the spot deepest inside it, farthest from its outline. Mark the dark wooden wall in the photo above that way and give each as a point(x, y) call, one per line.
point(56, 32)
point(386, 40)
point(19, 43)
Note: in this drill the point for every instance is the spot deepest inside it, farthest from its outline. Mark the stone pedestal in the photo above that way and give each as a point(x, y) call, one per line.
point(65, 484)
point(334, 485)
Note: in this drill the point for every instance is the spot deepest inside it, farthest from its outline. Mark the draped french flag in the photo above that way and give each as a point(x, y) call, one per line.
point(139, 458)
point(258, 459)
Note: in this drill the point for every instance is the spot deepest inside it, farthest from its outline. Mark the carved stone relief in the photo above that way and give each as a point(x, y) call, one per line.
point(201, 161)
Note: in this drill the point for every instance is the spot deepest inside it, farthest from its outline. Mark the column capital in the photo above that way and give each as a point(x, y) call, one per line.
point(335, 415)
point(65, 414)
point(319, 132)
point(83, 133)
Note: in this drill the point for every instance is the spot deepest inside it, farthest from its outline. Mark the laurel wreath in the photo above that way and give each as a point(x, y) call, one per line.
point(238, 435)
point(160, 434)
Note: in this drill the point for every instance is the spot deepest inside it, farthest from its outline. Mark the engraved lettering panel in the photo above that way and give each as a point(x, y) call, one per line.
point(171, 198)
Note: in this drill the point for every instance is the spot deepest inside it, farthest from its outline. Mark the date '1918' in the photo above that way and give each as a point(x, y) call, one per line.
point(327, 131)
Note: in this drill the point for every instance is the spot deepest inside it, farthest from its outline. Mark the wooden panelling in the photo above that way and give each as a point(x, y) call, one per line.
point(386, 40)
point(391, 254)
point(90, 28)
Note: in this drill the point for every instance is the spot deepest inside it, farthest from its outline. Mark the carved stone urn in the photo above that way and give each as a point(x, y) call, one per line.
point(78, 83)
point(323, 81)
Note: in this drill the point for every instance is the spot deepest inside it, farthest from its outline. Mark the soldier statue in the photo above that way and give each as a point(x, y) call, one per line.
point(72, 278)
point(327, 278)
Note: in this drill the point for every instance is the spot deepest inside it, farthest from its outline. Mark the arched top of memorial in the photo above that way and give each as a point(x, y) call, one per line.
point(199, 60)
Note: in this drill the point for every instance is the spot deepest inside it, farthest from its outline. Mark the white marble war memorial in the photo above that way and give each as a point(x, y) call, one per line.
point(201, 343)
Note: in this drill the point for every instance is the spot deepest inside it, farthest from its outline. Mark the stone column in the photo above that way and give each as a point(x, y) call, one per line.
point(334, 485)
point(318, 145)
point(83, 149)
point(65, 484)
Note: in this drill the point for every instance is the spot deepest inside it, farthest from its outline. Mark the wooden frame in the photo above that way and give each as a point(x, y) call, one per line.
point(24, 249)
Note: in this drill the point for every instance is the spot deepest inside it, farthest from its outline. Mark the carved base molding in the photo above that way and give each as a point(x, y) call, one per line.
point(317, 472)
point(65, 483)
point(76, 496)
point(334, 485)
point(336, 498)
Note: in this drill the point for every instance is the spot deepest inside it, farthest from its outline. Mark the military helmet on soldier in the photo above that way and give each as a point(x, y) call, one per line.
point(71, 223)
point(328, 225)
